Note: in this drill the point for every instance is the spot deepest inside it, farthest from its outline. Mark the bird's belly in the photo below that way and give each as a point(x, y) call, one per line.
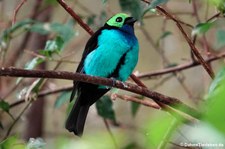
point(112, 47)
point(101, 64)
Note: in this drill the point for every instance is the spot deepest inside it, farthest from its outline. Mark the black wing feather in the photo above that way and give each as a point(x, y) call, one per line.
point(87, 93)
point(91, 45)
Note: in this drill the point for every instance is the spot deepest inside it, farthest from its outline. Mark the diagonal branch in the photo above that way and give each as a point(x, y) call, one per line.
point(190, 43)
point(157, 97)
point(76, 17)
point(16, 11)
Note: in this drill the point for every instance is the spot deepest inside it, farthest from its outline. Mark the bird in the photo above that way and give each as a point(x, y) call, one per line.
point(111, 52)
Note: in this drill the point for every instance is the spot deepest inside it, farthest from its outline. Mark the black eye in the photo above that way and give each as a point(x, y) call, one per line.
point(119, 19)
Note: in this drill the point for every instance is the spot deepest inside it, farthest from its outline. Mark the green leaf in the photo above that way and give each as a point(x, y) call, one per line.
point(4, 106)
point(202, 28)
point(105, 108)
point(220, 38)
point(91, 19)
point(159, 128)
point(15, 29)
point(8, 143)
point(217, 83)
point(65, 31)
point(132, 6)
point(131, 145)
point(104, 1)
point(28, 91)
point(53, 47)
point(12, 143)
point(33, 63)
point(220, 4)
point(62, 99)
point(164, 35)
point(70, 106)
point(38, 85)
point(153, 4)
point(216, 102)
point(135, 107)
point(24, 24)
point(41, 28)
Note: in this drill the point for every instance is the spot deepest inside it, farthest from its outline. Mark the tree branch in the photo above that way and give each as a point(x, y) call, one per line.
point(157, 97)
point(190, 43)
point(76, 17)
point(179, 67)
point(144, 102)
point(44, 93)
point(15, 121)
point(16, 11)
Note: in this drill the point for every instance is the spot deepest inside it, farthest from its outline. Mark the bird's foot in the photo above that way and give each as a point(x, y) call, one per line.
point(114, 81)
point(124, 85)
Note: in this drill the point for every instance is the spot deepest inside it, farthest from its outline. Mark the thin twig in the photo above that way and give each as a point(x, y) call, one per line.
point(110, 133)
point(15, 55)
point(166, 61)
point(16, 11)
point(213, 17)
point(76, 17)
point(16, 120)
point(144, 102)
point(44, 93)
point(195, 11)
point(207, 10)
point(190, 43)
point(178, 68)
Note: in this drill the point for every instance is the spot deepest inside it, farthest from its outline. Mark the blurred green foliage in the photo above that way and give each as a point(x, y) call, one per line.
point(105, 108)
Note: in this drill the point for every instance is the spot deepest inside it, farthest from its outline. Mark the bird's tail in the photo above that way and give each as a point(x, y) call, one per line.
point(77, 117)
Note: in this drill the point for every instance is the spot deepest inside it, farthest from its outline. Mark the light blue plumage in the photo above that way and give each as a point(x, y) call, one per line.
point(112, 52)
point(113, 44)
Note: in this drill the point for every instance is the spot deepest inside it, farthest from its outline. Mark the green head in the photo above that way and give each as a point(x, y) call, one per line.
point(120, 19)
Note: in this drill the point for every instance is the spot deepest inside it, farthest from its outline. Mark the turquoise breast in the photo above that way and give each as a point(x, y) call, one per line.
point(112, 45)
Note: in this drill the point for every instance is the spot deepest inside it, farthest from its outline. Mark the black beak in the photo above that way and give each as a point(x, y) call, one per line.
point(130, 21)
